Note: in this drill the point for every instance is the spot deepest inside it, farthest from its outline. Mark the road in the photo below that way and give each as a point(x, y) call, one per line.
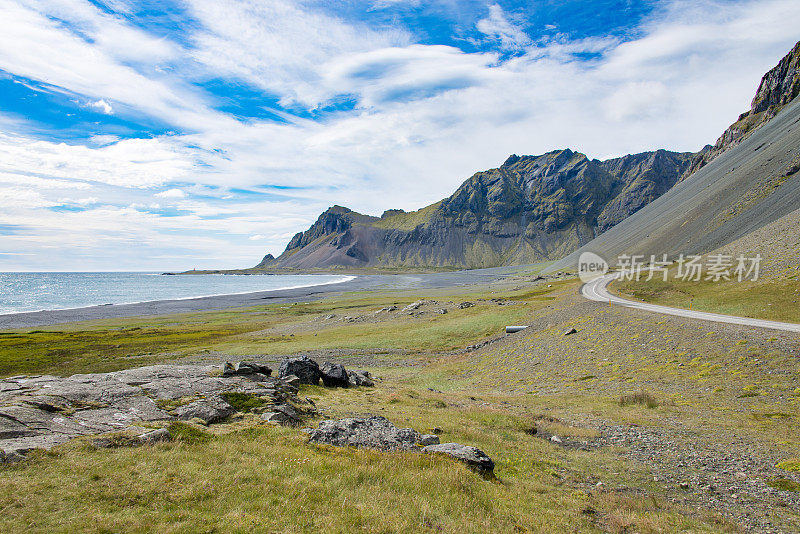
point(597, 290)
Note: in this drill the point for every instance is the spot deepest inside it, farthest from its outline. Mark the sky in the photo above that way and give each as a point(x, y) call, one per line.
point(159, 135)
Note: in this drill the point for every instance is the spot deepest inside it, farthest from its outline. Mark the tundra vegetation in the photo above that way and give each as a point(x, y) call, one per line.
point(604, 430)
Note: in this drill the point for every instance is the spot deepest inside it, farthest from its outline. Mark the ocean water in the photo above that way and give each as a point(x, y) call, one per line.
point(25, 292)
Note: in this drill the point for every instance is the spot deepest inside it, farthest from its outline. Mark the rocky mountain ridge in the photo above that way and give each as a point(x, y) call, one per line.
point(778, 87)
point(528, 209)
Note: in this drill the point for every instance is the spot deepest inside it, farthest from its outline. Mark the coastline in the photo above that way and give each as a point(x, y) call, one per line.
point(242, 300)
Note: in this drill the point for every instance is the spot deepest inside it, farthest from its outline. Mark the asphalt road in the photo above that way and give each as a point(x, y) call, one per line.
point(597, 290)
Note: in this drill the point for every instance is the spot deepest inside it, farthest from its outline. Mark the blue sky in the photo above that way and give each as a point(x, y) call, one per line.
point(204, 133)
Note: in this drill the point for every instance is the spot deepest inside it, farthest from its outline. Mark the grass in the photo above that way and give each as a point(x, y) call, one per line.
point(784, 484)
point(243, 402)
point(790, 465)
point(267, 478)
point(118, 344)
point(243, 475)
point(775, 300)
point(641, 398)
point(186, 433)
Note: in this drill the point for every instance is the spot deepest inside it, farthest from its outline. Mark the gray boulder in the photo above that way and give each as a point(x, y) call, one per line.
point(373, 432)
point(473, 457)
point(334, 375)
point(283, 414)
point(210, 410)
point(304, 368)
point(360, 378)
point(245, 369)
point(428, 439)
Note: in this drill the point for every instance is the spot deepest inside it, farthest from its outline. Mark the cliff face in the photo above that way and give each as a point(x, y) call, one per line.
point(530, 208)
point(778, 87)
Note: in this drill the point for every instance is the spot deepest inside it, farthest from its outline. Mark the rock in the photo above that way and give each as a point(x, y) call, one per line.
point(154, 436)
point(373, 432)
point(45, 411)
point(441, 311)
point(245, 369)
point(428, 439)
point(283, 415)
point(248, 368)
point(360, 378)
point(465, 305)
point(570, 332)
point(413, 306)
point(304, 368)
point(555, 439)
point(334, 375)
point(473, 457)
point(209, 410)
point(293, 381)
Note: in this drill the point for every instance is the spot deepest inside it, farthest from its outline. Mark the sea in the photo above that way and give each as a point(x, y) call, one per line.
point(28, 292)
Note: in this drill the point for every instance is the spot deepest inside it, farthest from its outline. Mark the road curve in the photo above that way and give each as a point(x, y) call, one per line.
point(597, 290)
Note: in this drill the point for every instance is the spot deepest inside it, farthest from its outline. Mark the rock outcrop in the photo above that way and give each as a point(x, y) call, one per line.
point(473, 457)
point(303, 367)
point(778, 87)
point(39, 412)
point(373, 432)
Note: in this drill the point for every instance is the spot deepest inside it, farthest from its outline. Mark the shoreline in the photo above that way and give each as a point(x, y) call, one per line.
point(241, 300)
point(345, 278)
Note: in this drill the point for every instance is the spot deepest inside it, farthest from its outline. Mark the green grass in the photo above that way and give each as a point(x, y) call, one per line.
point(773, 300)
point(123, 343)
point(790, 465)
point(242, 402)
point(254, 477)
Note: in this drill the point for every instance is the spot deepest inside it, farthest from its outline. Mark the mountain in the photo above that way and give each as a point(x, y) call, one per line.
point(535, 208)
point(528, 209)
point(778, 87)
point(751, 182)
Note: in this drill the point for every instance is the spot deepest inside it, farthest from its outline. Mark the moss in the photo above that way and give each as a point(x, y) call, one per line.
point(243, 402)
point(790, 465)
point(784, 484)
point(188, 433)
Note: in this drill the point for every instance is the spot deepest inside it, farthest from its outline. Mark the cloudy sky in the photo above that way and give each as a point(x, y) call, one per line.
point(151, 135)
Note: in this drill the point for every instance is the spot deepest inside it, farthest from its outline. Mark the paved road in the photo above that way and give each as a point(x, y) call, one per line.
point(597, 290)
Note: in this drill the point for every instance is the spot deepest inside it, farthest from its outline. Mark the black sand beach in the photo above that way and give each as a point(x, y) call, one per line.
point(165, 307)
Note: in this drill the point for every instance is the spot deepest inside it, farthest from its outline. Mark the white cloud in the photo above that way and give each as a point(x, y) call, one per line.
point(103, 106)
point(171, 193)
point(426, 118)
point(497, 26)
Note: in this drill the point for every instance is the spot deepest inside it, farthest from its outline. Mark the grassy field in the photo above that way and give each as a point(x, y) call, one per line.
point(252, 477)
point(274, 329)
point(777, 300)
point(718, 388)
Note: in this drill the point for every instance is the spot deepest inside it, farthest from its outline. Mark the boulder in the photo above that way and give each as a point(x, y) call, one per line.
point(245, 369)
point(428, 439)
point(373, 432)
point(465, 305)
point(570, 332)
point(414, 305)
point(154, 436)
point(210, 410)
point(334, 375)
point(304, 368)
point(360, 378)
point(473, 457)
point(283, 414)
